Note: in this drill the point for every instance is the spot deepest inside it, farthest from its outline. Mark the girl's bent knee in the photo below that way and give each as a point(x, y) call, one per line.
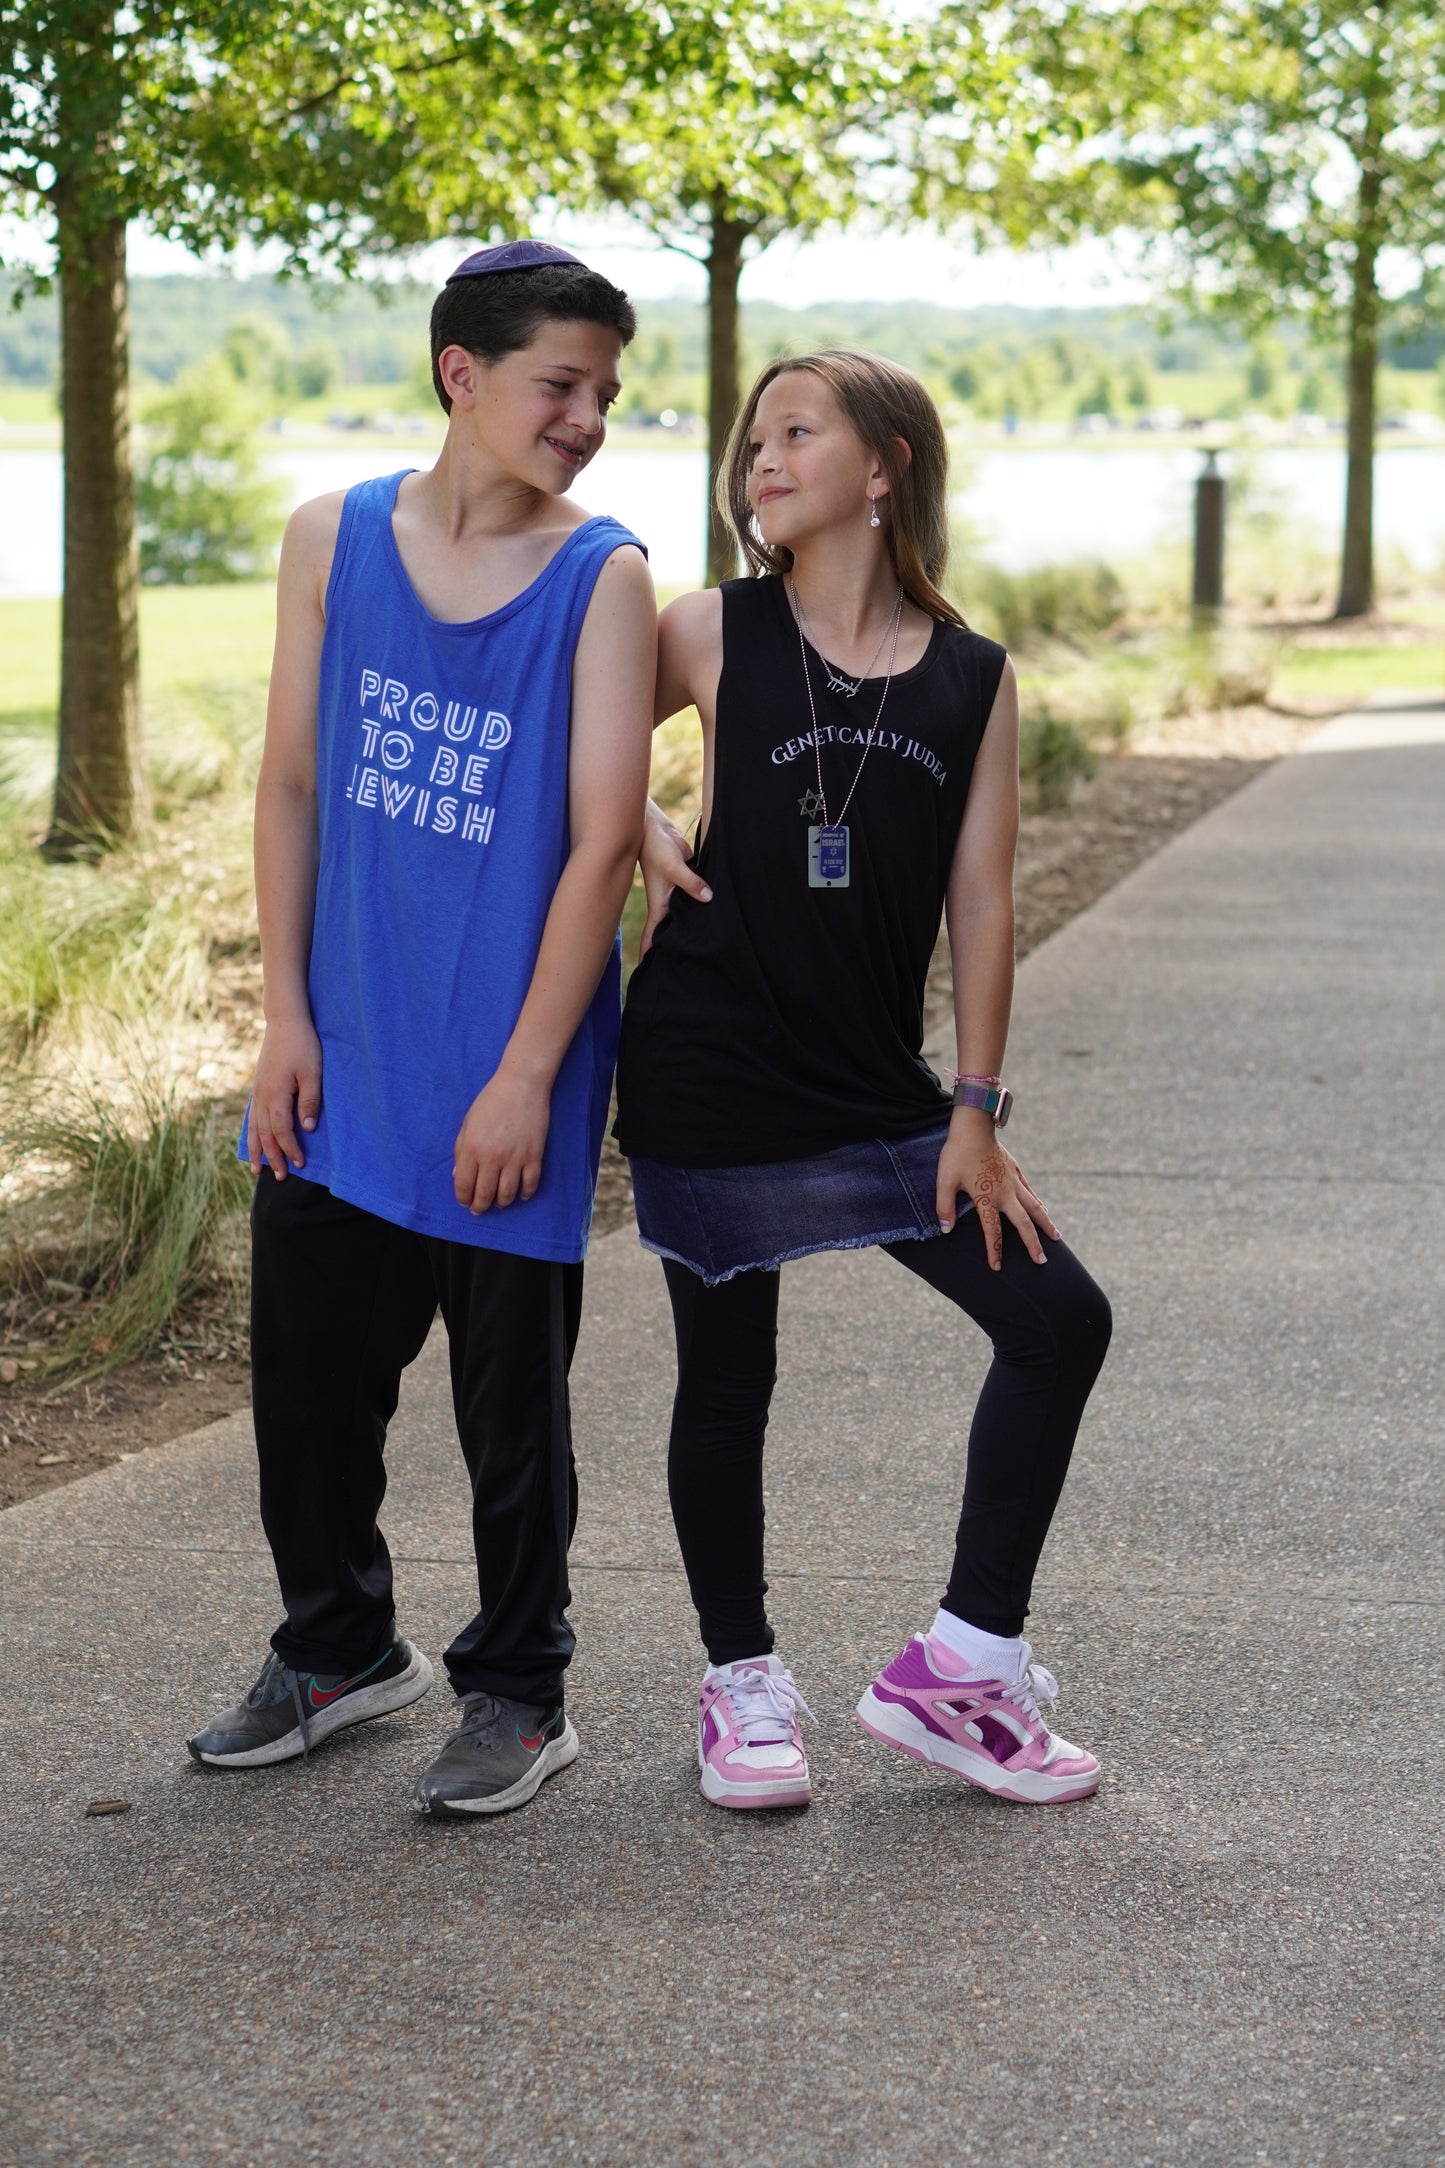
point(1070, 1315)
point(1084, 1320)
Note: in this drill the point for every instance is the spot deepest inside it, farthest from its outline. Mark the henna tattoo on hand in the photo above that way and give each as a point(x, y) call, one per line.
point(991, 1171)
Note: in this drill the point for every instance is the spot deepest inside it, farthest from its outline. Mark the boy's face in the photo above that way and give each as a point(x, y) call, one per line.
point(542, 411)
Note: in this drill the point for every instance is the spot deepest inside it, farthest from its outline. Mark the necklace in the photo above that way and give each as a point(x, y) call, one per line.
point(837, 682)
point(828, 855)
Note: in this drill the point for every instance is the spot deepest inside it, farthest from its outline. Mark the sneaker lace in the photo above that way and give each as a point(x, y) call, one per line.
point(1036, 1684)
point(764, 1705)
point(478, 1711)
point(275, 1681)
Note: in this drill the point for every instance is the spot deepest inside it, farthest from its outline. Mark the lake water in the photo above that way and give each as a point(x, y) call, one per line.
point(1027, 506)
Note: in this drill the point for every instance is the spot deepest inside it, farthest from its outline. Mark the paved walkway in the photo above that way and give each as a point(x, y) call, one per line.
point(1228, 1077)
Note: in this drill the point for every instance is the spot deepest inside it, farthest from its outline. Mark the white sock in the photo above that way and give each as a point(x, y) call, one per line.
point(988, 1656)
point(744, 1663)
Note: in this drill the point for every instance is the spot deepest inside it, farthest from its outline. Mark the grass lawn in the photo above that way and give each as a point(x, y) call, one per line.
point(1344, 674)
point(25, 406)
point(189, 635)
point(205, 659)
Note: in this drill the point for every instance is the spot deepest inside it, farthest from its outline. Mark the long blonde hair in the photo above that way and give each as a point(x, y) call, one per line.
point(883, 403)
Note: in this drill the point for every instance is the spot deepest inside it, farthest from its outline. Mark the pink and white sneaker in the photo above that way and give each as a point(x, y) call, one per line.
point(988, 1731)
point(749, 1740)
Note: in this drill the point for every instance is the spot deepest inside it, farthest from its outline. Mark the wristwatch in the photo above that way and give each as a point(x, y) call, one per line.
point(993, 1099)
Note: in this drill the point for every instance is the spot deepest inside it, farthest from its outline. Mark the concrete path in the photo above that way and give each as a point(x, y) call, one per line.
point(1228, 1077)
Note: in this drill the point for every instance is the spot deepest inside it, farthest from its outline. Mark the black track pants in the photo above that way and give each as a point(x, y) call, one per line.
point(1050, 1327)
point(341, 1302)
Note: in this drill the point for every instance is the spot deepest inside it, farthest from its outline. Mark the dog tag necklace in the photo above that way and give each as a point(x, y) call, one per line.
point(829, 859)
point(838, 682)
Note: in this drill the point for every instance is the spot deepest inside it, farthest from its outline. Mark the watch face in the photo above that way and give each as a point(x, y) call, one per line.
point(1005, 1108)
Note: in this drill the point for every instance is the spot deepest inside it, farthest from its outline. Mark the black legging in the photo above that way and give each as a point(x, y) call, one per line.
point(1050, 1327)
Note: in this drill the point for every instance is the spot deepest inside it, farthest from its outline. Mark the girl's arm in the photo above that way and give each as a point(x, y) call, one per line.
point(286, 1094)
point(689, 664)
point(980, 912)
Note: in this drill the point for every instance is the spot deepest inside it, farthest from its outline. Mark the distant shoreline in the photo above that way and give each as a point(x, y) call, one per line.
point(1226, 437)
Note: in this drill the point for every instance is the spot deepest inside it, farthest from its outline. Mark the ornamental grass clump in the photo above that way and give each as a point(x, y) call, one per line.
point(133, 1203)
point(78, 939)
point(1054, 755)
point(1070, 602)
point(1216, 666)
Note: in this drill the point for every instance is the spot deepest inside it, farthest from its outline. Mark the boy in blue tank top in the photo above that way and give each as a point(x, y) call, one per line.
point(449, 811)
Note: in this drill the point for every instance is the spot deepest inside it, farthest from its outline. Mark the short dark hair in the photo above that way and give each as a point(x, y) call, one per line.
point(495, 316)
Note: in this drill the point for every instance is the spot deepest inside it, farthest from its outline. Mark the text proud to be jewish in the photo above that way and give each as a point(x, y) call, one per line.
point(425, 762)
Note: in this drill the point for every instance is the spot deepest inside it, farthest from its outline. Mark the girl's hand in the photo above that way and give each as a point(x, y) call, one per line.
point(972, 1159)
point(664, 860)
point(286, 1094)
point(498, 1153)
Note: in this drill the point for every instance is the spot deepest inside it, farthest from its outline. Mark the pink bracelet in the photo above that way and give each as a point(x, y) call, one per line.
point(970, 1077)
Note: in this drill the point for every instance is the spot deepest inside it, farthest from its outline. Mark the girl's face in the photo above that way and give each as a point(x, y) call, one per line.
point(810, 471)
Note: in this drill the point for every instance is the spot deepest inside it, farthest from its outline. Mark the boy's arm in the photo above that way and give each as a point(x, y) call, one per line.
point(500, 1145)
point(288, 1072)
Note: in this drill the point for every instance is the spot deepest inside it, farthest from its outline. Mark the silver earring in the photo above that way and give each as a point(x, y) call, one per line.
point(873, 519)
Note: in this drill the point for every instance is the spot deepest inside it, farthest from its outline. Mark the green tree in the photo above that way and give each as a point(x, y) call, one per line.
point(964, 379)
point(1064, 355)
point(1284, 146)
point(314, 370)
point(729, 123)
point(216, 121)
point(204, 511)
point(1025, 385)
point(1098, 397)
point(257, 353)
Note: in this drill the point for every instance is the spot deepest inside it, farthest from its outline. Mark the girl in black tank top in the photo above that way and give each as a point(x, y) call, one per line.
point(780, 1021)
point(861, 774)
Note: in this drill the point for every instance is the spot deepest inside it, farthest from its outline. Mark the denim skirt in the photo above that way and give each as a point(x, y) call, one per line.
point(719, 1221)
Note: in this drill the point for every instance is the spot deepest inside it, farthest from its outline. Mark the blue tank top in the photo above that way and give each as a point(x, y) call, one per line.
point(442, 803)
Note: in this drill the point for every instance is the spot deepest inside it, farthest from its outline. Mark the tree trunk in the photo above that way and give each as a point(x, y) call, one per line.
point(1357, 566)
point(98, 790)
point(724, 268)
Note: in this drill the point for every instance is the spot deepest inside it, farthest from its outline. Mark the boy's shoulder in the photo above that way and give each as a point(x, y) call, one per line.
point(319, 518)
point(309, 542)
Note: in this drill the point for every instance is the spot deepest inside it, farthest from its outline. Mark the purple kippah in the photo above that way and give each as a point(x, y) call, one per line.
point(513, 256)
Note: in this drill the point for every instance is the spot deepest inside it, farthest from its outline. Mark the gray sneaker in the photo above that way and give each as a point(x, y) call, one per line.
point(288, 1712)
point(500, 1756)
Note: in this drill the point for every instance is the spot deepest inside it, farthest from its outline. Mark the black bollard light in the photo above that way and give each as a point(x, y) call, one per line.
point(1209, 496)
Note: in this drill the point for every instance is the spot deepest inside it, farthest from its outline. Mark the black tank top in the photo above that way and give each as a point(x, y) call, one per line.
point(780, 1020)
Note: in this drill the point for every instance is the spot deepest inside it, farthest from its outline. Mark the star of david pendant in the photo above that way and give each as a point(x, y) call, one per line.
point(810, 805)
point(828, 858)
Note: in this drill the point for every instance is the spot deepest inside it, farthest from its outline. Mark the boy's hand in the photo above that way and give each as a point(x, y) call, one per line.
point(286, 1095)
point(666, 864)
point(499, 1147)
point(972, 1159)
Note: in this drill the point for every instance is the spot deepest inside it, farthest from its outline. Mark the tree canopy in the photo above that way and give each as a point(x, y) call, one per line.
point(319, 126)
point(216, 122)
point(725, 124)
point(1289, 151)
